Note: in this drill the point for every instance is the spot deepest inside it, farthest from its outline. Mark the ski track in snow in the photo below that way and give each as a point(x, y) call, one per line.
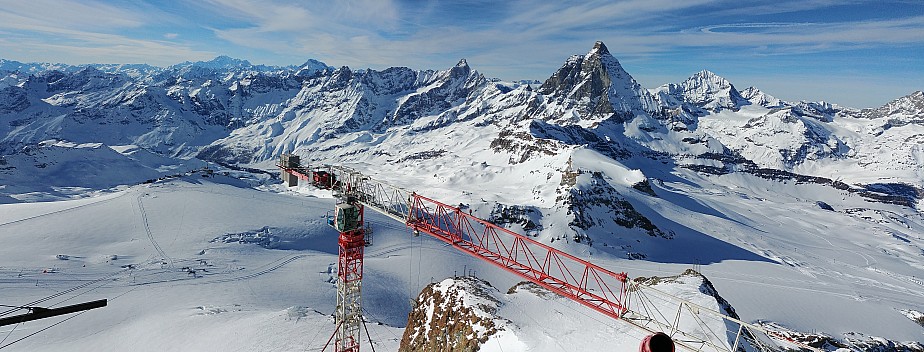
point(456, 118)
point(393, 247)
point(147, 230)
point(65, 210)
point(200, 280)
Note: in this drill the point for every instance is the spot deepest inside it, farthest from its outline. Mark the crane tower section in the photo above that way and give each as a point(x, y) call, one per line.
point(348, 221)
point(691, 326)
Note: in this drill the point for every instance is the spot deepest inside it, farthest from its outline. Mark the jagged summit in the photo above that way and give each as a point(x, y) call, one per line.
point(703, 92)
point(911, 104)
point(460, 69)
point(758, 97)
point(312, 67)
point(711, 91)
point(599, 48)
point(600, 87)
point(709, 78)
point(901, 111)
point(224, 61)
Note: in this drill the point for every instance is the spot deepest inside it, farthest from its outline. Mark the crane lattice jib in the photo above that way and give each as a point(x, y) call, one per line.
point(692, 327)
point(562, 273)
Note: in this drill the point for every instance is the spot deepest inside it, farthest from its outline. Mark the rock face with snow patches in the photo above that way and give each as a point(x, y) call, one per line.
point(588, 162)
point(593, 87)
point(235, 112)
point(455, 314)
point(702, 93)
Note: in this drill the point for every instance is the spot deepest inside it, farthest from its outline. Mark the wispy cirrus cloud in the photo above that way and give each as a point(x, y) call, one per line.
point(393, 33)
point(50, 15)
point(84, 32)
point(512, 39)
point(906, 30)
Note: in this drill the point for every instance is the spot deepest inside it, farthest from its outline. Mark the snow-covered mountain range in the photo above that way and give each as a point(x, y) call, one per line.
point(231, 110)
point(588, 161)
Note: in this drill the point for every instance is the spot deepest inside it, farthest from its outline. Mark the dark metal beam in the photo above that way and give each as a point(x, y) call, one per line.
point(42, 313)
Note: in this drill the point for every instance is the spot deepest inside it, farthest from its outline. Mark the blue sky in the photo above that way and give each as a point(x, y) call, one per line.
point(854, 53)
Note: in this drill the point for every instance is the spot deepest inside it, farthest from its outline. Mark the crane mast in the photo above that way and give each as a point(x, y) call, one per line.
point(348, 220)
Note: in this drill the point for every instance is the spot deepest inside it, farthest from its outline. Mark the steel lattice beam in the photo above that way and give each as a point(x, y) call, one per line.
point(560, 272)
point(593, 286)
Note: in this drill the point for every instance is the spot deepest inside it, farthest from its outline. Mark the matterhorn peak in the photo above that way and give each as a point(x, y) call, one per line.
point(599, 48)
point(600, 53)
point(460, 70)
point(601, 84)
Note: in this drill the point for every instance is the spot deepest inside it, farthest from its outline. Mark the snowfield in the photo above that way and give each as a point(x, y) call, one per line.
point(155, 188)
point(144, 240)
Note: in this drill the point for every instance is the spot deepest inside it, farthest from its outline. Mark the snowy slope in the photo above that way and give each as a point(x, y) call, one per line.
point(704, 92)
point(144, 240)
point(243, 298)
point(521, 317)
point(794, 210)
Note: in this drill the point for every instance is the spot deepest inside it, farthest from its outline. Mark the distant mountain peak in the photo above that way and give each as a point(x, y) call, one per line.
point(708, 77)
point(224, 61)
point(600, 84)
point(911, 106)
point(87, 70)
point(312, 67)
point(599, 49)
point(705, 91)
point(758, 97)
point(462, 63)
point(915, 96)
point(704, 73)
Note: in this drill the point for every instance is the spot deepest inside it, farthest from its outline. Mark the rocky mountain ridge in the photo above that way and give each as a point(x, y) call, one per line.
point(466, 313)
point(589, 161)
point(234, 112)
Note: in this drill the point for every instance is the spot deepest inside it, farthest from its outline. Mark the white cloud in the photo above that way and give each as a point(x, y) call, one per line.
point(66, 15)
point(377, 34)
point(516, 39)
point(87, 31)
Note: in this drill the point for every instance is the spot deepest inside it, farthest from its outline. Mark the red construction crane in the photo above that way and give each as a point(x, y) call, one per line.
point(692, 327)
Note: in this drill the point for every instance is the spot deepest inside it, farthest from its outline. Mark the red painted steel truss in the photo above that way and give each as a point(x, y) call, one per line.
point(301, 173)
point(591, 285)
point(576, 279)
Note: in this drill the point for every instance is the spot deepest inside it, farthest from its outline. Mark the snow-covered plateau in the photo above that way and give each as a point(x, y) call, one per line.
point(156, 189)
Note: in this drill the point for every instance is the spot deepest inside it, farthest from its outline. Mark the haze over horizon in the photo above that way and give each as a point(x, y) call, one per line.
point(857, 54)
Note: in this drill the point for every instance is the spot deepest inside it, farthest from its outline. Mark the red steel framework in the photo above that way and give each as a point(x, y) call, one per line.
point(560, 272)
point(349, 286)
point(569, 276)
point(593, 286)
